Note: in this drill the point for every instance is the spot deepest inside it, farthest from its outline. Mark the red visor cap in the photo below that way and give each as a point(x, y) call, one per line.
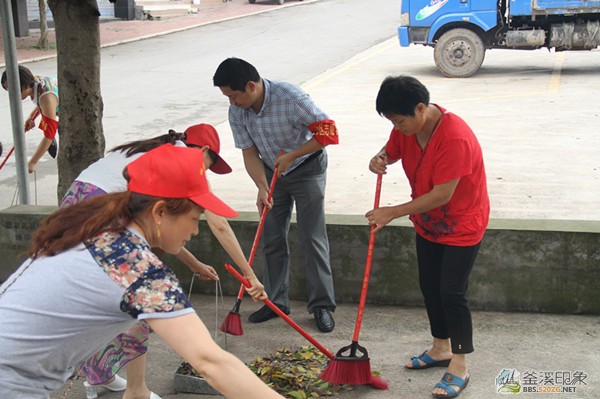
point(175, 172)
point(204, 134)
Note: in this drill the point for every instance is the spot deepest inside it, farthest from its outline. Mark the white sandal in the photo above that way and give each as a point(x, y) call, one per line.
point(117, 384)
point(154, 396)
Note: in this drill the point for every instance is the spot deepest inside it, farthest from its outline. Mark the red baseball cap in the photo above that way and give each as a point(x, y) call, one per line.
point(175, 172)
point(204, 134)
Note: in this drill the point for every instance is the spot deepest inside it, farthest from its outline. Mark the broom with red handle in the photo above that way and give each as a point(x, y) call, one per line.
point(274, 308)
point(233, 321)
point(353, 368)
point(375, 381)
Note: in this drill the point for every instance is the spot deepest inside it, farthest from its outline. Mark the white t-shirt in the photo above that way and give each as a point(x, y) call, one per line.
point(107, 173)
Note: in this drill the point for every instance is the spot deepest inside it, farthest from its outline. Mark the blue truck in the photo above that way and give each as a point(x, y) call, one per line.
point(460, 31)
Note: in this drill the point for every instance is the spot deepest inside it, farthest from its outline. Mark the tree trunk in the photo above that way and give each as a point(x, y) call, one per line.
point(43, 42)
point(76, 23)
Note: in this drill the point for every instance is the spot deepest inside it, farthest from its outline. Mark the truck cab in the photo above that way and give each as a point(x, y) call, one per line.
point(461, 30)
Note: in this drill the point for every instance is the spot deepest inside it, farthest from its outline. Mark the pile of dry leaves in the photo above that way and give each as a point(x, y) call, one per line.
point(295, 373)
point(292, 373)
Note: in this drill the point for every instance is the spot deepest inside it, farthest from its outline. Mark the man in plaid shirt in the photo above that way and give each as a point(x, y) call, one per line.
point(276, 124)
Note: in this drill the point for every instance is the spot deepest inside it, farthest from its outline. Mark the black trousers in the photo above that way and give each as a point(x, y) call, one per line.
point(443, 277)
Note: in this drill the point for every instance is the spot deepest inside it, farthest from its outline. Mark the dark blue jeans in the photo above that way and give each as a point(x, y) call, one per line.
point(444, 278)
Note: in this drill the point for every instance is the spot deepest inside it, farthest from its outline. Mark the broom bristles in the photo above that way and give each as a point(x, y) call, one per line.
point(232, 324)
point(352, 372)
point(378, 382)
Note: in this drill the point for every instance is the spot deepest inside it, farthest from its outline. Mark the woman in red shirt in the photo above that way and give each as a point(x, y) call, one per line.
point(449, 208)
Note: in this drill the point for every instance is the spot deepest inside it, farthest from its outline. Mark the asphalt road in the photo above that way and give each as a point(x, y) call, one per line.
point(153, 85)
point(535, 113)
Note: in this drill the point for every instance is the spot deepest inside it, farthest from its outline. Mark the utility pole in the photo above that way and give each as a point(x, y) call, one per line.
point(14, 93)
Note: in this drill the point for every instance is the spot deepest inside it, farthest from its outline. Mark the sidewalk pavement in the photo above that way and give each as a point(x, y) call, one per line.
point(116, 31)
point(541, 152)
point(542, 344)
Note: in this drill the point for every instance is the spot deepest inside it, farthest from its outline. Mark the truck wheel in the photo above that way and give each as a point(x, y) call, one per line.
point(459, 53)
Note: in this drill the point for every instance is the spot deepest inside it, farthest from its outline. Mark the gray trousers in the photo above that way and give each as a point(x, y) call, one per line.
point(304, 186)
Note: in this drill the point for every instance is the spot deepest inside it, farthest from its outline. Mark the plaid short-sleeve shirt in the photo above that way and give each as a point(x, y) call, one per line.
point(281, 124)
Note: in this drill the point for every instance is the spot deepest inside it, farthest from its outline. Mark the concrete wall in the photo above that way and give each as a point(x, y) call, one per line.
point(523, 265)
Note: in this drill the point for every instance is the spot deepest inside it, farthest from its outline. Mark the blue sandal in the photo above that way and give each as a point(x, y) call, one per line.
point(429, 362)
point(449, 379)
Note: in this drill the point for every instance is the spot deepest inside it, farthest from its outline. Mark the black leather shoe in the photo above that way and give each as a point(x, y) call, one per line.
point(265, 313)
point(324, 319)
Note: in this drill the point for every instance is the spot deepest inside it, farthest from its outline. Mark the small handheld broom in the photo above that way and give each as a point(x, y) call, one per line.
point(374, 381)
point(233, 321)
point(355, 369)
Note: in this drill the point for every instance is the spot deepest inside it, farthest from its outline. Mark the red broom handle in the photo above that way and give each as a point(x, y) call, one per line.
point(281, 314)
point(365, 284)
point(7, 156)
point(261, 223)
point(13, 148)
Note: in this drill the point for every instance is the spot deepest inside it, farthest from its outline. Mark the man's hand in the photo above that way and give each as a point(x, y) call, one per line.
point(262, 200)
point(283, 162)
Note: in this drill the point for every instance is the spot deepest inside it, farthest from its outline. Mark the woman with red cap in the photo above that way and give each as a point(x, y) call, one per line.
point(105, 176)
point(95, 275)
